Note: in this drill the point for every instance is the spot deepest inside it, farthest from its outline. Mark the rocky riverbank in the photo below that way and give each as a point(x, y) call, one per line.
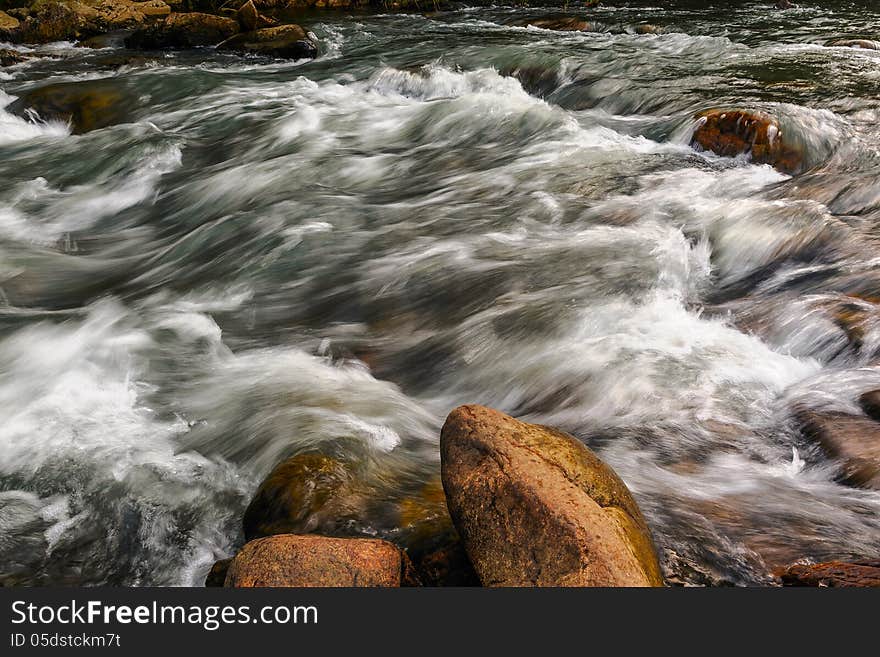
point(520, 505)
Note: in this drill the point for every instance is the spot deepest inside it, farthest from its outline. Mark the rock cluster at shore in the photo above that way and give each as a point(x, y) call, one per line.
point(519, 505)
point(156, 25)
point(527, 506)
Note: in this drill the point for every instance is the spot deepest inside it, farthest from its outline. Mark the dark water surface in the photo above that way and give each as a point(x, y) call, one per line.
point(272, 257)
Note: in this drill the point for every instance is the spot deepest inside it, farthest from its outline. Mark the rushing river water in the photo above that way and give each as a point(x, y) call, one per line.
point(268, 257)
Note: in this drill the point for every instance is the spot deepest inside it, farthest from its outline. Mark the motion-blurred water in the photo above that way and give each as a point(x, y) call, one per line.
point(271, 257)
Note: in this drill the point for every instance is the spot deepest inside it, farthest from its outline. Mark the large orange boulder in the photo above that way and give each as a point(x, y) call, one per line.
point(318, 561)
point(535, 507)
point(735, 132)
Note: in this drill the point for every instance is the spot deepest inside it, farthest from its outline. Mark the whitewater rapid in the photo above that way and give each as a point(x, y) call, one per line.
point(274, 257)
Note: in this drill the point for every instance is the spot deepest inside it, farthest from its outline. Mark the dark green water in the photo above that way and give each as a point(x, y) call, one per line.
point(268, 257)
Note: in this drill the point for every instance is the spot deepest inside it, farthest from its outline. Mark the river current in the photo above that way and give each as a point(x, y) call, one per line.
point(271, 257)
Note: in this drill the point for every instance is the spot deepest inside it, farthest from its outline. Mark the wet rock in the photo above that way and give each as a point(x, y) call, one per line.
point(832, 574)
point(431, 542)
point(188, 30)
point(288, 41)
point(856, 43)
point(295, 560)
point(248, 17)
point(785, 4)
point(85, 105)
point(535, 507)
point(304, 493)
point(870, 403)
point(645, 28)
point(112, 39)
point(153, 8)
point(217, 576)
point(563, 24)
point(733, 132)
point(8, 23)
point(10, 57)
point(852, 439)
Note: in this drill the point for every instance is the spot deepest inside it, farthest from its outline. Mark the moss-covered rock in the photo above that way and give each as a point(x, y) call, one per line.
point(86, 105)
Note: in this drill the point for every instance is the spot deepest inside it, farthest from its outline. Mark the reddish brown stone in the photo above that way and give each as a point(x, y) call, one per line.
point(291, 560)
point(218, 573)
point(733, 132)
point(535, 507)
point(870, 403)
point(832, 574)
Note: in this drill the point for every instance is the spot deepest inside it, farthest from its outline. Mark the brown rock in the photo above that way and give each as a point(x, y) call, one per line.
point(832, 574)
point(7, 22)
point(288, 41)
point(88, 105)
point(295, 560)
point(733, 132)
point(645, 28)
point(248, 16)
point(10, 57)
point(152, 8)
point(302, 494)
point(188, 30)
point(563, 24)
point(870, 403)
point(852, 439)
point(218, 573)
point(857, 43)
point(535, 507)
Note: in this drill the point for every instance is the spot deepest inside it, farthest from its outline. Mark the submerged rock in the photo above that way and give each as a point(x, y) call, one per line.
point(302, 494)
point(646, 28)
point(535, 507)
point(85, 106)
point(296, 560)
point(856, 43)
point(563, 24)
point(188, 30)
point(734, 132)
point(288, 41)
point(833, 574)
point(852, 439)
point(870, 403)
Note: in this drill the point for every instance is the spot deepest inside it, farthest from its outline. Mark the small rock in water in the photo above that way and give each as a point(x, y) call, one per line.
point(852, 439)
point(865, 44)
point(645, 28)
point(563, 24)
point(295, 560)
point(10, 57)
point(734, 132)
point(535, 507)
point(785, 4)
point(288, 41)
point(86, 105)
point(832, 574)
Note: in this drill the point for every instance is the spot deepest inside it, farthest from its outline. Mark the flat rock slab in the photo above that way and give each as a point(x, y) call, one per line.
point(535, 507)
